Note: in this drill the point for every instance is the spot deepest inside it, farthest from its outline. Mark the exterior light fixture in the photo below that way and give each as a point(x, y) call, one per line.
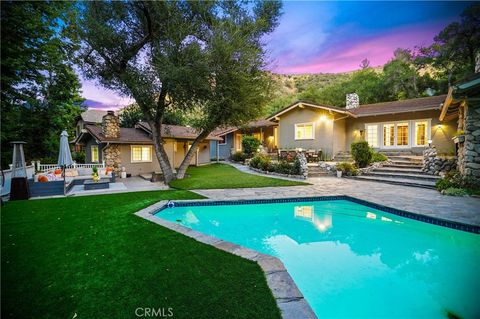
point(429, 143)
point(323, 118)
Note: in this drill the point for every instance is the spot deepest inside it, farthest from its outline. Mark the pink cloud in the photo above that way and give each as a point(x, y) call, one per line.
point(348, 55)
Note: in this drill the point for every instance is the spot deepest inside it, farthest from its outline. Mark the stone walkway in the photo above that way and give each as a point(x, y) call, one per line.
point(412, 199)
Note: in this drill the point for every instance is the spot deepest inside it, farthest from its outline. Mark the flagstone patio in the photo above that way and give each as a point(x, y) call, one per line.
point(417, 200)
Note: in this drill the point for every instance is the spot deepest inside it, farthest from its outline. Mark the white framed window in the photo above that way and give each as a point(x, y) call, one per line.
point(372, 135)
point(224, 140)
point(94, 152)
point(305, 131)
point(422, 129)
point(402, 134)
point(389, 134)
point(141, 153)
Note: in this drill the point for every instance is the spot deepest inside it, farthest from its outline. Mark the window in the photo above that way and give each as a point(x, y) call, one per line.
point(402, 134)
point(258, 136)
point(141, 154)
point(421, 133)
point(372, 135)
point(304, 131)
point(224, 140)
point(94, 149)
point(388, 134)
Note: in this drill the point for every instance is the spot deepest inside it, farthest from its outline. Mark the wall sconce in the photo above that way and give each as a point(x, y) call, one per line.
point(439, 126)
point(322, 118)
point(429, 143)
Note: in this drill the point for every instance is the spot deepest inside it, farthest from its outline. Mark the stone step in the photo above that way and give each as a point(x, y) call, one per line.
point(396, 153)
point(400, 170)
point(397, 181)
point(416, 159)
point(418, 176)
point(406, 163)
point(403, 166)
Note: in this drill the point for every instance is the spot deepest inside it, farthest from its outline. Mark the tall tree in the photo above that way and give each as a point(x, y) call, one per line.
point(40, 91)
point(205, 58)
point(455, 48)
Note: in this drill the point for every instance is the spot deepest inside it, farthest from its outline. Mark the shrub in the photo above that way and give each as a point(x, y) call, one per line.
point(347, 168)
point(378, 157)
point(297, 167)
point(79, 157)
point(260, 161)
point(361, 153)
point(284, 167)
point(453, 191)
point(250, 145)
point(238, 157)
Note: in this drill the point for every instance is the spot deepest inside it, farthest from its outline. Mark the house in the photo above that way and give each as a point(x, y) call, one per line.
point(231, 138)
point(463, 103)
point(399, 126)
point(132, 148)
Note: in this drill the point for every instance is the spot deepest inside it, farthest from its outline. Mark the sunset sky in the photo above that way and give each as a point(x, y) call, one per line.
point(331, 37)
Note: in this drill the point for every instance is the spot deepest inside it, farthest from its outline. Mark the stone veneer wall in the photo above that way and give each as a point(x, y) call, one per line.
point(469, 150)
point(110, 125)
point(111, 156)
point(111, 129)
point(435, 165)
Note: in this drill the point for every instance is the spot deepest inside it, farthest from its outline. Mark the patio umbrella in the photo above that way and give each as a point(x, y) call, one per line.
point(64, 157)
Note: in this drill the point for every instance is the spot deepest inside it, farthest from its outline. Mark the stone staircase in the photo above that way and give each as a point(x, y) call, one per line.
point(343, 157)
point(403, 169)
point(316, 171)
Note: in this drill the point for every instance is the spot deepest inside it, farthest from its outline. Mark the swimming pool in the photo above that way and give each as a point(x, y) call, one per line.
point(351, 260)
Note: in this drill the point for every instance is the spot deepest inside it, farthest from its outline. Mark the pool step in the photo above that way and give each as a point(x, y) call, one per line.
point(397, 181)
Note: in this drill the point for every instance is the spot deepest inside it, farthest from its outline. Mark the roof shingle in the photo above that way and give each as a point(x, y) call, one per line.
point(411, 105)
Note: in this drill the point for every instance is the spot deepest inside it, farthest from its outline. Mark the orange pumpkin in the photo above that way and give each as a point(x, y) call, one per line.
point(58, 171)
point(109, 169)
point(42, 179)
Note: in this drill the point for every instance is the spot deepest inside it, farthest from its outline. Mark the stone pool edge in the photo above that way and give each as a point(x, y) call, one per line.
point(289, 299)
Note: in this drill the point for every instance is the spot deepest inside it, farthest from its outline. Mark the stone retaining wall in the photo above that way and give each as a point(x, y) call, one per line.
point(469, 151)
point(436, 165)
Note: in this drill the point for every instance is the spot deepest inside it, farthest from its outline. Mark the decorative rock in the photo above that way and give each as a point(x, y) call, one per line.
point(435, 165)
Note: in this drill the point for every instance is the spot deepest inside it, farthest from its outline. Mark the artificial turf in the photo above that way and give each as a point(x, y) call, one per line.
point(91, 257)
point(225, 176)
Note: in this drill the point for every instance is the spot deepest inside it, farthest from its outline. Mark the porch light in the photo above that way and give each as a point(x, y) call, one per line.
point(322, 118)
point(429, 143)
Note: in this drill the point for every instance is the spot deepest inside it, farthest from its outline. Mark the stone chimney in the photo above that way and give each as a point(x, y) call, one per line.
point(353, 101)
point(110, 125)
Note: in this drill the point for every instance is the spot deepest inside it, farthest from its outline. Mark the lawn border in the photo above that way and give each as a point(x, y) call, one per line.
point(289, 299)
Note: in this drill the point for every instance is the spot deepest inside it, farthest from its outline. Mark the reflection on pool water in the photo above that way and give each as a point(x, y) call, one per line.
point(351, 260)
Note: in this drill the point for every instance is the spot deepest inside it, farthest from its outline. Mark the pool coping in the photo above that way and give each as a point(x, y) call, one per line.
point(289, 299)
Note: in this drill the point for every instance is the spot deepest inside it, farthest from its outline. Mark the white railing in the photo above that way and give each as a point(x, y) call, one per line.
point(50, 167)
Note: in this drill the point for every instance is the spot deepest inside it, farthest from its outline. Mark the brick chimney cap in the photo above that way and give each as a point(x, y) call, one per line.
point(111, 112)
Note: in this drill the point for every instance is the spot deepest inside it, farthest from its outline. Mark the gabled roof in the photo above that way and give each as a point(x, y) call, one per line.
point(93, 116)
point(176, 131)
point(127, 135)
point(458, 93)
point(410, 105)
point(251, 124)
point(302, 103)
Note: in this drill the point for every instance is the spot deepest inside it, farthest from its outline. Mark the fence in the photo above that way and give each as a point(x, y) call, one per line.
point(50, 167)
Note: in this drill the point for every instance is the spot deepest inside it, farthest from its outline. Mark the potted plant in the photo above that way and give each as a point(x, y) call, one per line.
point(95, 176)
point(345, 168)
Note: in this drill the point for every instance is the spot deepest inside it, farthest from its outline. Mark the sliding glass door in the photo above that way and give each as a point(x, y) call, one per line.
point(401, 134)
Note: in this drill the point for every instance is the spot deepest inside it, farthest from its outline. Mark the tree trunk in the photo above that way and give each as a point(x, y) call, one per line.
point(193, 149)
point(160, 152)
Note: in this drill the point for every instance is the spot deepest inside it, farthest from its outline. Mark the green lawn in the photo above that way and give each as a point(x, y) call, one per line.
point(92, 257)
point(225, 176)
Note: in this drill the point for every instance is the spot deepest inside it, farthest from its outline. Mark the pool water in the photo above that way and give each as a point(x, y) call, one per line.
point(351, 260)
